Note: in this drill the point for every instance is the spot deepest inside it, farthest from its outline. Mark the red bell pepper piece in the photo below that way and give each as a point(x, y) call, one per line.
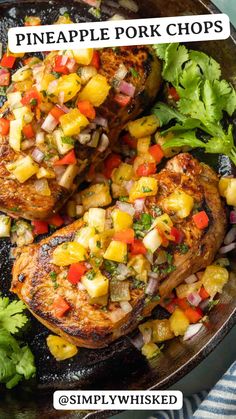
point(4, 77)
point(182, 303)
point(31, 98)
point(4, 126)
point(193, 314)
point(125, 236)
point(122, 100)
point(130, 141)
point(201, 220)
point(96, 60)
point(173, 94)
point(60, 64)
point(40, 227)
point(28, 131)
point(69, 158)
point(178, 235)
point(146, 169)
point(156, 152)
point(87, 109)
point(138, 248)
point(203, 294)
point(32, 21)
point(60, 306)
point(76, 271)
point(56, 220)
point(7, 61)
point(57, 112)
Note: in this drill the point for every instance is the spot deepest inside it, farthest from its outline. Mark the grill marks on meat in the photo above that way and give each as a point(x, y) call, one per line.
point(22, 199)
point(90, 326)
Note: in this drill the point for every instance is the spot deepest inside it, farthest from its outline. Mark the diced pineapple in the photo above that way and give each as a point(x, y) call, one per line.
point(15, 134)
point(68, 176)
point(121, 220)
point(161, 330)
point(142, 159)
point(96, 196)
point(63, 20)
point(23, 86)
point(22, 74)
point(123, 173)
point(73, 122)
point(42, 187)
point(71, 208)
point(23, 114)
point(96, 90)
point(67, 253)
point(97, 286)
point(5, 226)
point(45, 81)
point(184, 290)
point(116, 251)
point(118, 190)
point(62, 147)
point(68, 84)
point(143, 127)
point(150, 350)
point(164, 223)
point(143, 145)
point(100, 242)
point(45, 173)
point(84, 235)
point(97, 218)
point(214, 278)
point(179, 202)
point(14, 100)
point(15, 54)
point(60, 348)
point(227, 187)
point(178, 322)
point(152, 240)
point(145, 186)
point(83, 56)
point(23, 168)
point(141, 266)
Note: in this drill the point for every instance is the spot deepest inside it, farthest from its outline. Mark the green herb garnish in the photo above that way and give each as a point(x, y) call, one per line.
point(145, 189)
point(134, 72)
point(183, 248)
point(204, 97)
point(90, 275)
point(68, 140)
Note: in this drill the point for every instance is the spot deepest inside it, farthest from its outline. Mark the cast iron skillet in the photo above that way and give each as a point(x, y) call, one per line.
point(120, 366)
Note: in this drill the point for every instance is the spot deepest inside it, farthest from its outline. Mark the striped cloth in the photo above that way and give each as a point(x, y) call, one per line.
point(219, 403)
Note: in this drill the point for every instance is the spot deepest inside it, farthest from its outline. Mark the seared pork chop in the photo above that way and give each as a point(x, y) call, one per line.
point(84, 322)
point(32, 199)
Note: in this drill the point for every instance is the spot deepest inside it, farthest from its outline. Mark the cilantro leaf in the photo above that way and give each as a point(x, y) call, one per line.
point(165, 113)
point(176, 55)
point(11, 317)
point(190, 81)
point(209, 67)
point(161, 50)
point(184, 138)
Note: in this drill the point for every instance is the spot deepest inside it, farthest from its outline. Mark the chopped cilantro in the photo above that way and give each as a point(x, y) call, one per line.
point(110, 267)
point(183, 248)
point(143, 224)
point(134, 72)
point(33, 102)
point(53, 275)
point(66, 14)
point(98, 244)
point(123, 198)
point(145, 189)
point(68, 140)
point(212, 304)
point(90, 275)
point(56, 74)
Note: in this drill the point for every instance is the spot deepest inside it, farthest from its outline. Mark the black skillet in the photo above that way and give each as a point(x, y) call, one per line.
point(120, 366)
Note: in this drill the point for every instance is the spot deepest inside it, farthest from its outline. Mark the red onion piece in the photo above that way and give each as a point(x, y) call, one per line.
point(128, 185)
point(67, 220)
point(123, 206)
point(233, 217)
point(37, 155)
point(64, 59)
point(103, 144)
point(226, 249)
point(137, 341)
point(63, 108)
point(194, 299)
point(147, 335)
point(191, 279)
point(71, 65)
point(93, 3)
point(80, 286)
point(99, 120)
point(100, 178)
point(127, 88)
point(39, 138)
point(49, 123)
point(149, 256)
point(192, 330)
point(121, 72)
point(151, 287)
point(126, 306)
point(230, 236)
point(139, 204)
point(61, 97)
point(123, 271)
point(204, 305)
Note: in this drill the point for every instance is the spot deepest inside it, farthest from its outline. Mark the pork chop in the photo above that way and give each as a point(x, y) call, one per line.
point(87, 323)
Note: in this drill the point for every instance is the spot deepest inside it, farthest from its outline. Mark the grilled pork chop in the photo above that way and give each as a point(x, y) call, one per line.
point(93, 326)
point(24, 198)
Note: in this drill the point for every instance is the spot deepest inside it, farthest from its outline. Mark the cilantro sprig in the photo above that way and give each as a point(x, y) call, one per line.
point(16, 359)
point(204, 97)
